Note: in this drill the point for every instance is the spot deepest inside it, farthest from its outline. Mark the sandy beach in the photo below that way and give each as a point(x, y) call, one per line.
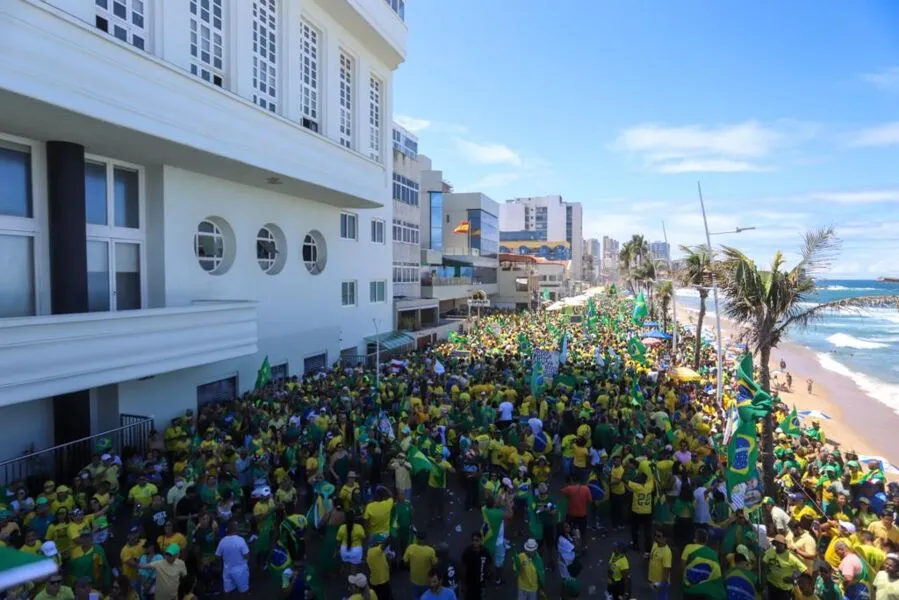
point(858, 422)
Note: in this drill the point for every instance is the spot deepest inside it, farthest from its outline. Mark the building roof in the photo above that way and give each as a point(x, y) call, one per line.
point(544, 261)
point(516, 258)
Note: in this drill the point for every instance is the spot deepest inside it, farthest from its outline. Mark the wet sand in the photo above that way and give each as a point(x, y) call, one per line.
point(858, 422)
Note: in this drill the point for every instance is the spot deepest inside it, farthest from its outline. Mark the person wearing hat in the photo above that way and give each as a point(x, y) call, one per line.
point(88, 560)
point(130, 554)
point(531, 573)
point(782, 567)
point(358, 588)
point(169, 572)
point(619, 576)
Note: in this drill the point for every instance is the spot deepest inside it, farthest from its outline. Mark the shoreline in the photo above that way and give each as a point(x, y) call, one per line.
point(857, 421)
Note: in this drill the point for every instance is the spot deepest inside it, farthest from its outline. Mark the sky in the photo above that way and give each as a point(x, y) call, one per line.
point(787, 113)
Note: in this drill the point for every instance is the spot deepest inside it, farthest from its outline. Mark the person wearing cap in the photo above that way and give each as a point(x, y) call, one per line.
point(169, 572)
point(348, 490)
point(619, 579)
point(88, 560)
point(782, 567)
point(531, 573)
point(358, 588)
point(402, 473)
point(264, 515)
point(130, 555)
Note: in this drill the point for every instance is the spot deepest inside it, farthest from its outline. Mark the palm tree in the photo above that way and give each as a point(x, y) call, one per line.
point(772, 302)
point(697, 272)
point(633, 252)
point(664, 290)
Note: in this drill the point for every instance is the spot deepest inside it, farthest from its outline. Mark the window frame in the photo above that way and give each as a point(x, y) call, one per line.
point(375, 116)
point(355, 290)
point(125, 24)
point(316, 266)
point(373, 291)
point(272, 239)
point(266, 63)
point(35, 226)
point(113, 234)
point(346, 96)
point(207, 70)
point(343, 230)
point(375, 225)
point(311, 92)
point(217, 232)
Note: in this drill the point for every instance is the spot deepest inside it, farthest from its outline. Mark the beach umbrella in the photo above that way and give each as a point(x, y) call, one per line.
point(660, 335)
point(651, 341)
point(684, 374)
point(814, 414)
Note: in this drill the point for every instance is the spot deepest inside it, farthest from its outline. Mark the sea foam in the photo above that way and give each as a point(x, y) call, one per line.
point(844, 340)
point(885, 393)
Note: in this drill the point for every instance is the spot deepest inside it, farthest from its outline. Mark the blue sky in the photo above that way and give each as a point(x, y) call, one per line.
point(788, 113)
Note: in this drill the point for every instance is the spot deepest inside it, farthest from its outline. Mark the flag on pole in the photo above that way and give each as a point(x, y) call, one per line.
point(749, 394)
point(640, 312)
point(418, 460)
point(563, 352)
point(637, 350)
point(463, 227)
point(790, 424)
point(538, 385)
point(264, 374)
point(18, 568)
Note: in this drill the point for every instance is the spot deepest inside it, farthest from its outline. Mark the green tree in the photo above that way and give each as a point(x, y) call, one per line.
point(771, 303)
point(697, 273)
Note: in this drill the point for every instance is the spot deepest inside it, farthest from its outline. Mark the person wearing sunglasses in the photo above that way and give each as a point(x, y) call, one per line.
point(55, 590)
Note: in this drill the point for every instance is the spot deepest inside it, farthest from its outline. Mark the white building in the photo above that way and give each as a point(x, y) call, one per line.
point(610, 249)
point(660, 250)
point(548, 219)
point(186, 187)
point(592, 259)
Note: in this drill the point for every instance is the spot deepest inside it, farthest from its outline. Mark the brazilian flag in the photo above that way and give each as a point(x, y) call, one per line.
point(751, 398)
point(741, 584)
point(790, 424)
point(492, 529)
point(264, 375)
point(702, 575)
point(278, 562)
point(742, 455)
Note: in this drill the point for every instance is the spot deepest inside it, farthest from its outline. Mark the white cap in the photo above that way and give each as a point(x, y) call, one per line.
point(359, 580)
point(48, 549)
point(530, 545)
point(106, 457)
point(507, 482)
point(849, 527)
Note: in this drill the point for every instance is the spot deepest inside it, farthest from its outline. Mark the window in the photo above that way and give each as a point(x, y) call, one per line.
point(374, 118)
point(207, 45)
point(436, 200)
point(404, 144)
point(266, 250)
point(377, 291)
point(314, 252)
point(348, 293)
point(346, 101)
point(377, 231)
point(406, 272)
point(280, 372)
point(405, 190)
point(123, 19)
point(348, 226)
point(405, 232)
point(18, 231)
point(223, 390)
point(115, 237)
point(399, 7)
point(265, 54)
point(209, 246)
point(309, 52)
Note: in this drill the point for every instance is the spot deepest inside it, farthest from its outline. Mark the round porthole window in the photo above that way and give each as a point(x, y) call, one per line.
point(214, 245)
point(270, 249)
point(315, 252)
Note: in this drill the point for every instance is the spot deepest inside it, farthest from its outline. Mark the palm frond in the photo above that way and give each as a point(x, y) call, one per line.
point(819, 249)
point(806, 316)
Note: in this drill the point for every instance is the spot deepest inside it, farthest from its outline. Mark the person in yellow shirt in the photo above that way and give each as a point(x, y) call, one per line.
point(359, 589)
point(641, 511)
point(660, 564)
point(580, 459)
point(63, 499)
point(171, 536)
point(529, 571)
point(619, 579)
point(345, 496)
point(31, 545)
point(351, 537)
point(885, 531)
point(781, 565)
point(286, 497)
point(379, 567)
point(420, 557)
point(130, 555)
point(377, 514)
point(618, 493)
point(142, 492)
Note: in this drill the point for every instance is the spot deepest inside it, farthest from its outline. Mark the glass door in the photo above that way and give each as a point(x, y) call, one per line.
point(113, 275)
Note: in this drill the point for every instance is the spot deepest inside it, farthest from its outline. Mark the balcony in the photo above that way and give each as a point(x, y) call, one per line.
point(375, 24)
point(50, 355)
point(451, 288)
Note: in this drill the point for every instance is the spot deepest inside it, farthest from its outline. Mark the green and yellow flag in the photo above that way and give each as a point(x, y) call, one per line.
point(264, 374)
point(790, 424)
point(702, 575)
point(640, 311)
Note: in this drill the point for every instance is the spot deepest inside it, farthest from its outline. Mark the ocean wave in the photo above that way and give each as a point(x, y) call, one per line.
point(844, 340)
point(888, 339)
point(840, 288)
point(885, 393)
point(687, 292)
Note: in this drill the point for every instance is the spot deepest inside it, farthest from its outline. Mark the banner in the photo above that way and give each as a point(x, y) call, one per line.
point(549, 361)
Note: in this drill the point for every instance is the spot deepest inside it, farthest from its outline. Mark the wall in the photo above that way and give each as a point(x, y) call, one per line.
point(406, 252)
point(25, 424)
point(511, 217)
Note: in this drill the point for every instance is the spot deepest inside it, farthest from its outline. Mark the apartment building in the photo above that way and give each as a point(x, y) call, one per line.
point(610, 249)
point(548, 219)
point(186, 188)
point(660, 251)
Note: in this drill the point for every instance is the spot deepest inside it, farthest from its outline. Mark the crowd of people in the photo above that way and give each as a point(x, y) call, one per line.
point(601, 471)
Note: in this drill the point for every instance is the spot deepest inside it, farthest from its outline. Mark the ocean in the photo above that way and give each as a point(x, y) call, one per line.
point(861, 345)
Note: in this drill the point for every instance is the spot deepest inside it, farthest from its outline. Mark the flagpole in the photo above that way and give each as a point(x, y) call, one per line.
point(673, 297)
point(708, 239)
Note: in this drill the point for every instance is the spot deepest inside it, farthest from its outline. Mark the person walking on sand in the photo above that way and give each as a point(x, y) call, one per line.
point(809, 383)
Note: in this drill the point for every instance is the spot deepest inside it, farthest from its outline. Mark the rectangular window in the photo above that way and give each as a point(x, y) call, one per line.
point(15, 181)
point(17, 268)
point(207, 40)
point(123, 19)
point(18, 296)
point(98, 290)
point(346, 101)
point(348, 229)
point(405, 190)
point(377, 291)
point(377, 231)
point(127, 276)
point(348, 293)
point(403, 232)
point(436, 200)
point(280, 372)
point(223, 390)
point(309, 84)
point(265, 54)
point(374, 118)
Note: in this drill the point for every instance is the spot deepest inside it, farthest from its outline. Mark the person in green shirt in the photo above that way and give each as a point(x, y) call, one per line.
point(437, 486)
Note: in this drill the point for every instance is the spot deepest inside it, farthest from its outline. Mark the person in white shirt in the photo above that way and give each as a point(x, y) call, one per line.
point(505, 414)
point(234, 552)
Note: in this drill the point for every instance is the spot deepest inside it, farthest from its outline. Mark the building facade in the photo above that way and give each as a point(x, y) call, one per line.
point(592, 261)
point(610, 249)
point(660, 251)
point(185, 192)
point(549, 219)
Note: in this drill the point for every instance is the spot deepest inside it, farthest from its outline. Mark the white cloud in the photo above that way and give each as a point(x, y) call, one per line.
point(697, 148)
point(857, 197)
point(495, 181)
point(880, 135)
point(885, 79)
point(488, 154)
point(413, 124)
point(714, 165)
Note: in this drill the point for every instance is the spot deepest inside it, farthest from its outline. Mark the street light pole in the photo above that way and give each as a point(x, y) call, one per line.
point(708, 239)
point(377, 354)
point(673, 297)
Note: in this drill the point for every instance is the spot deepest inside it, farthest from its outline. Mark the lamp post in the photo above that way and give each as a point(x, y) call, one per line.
point(708, 240)
point(673, 298)
point(377, 323)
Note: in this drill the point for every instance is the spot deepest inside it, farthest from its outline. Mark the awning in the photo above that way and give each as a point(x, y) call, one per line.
point(392, 340)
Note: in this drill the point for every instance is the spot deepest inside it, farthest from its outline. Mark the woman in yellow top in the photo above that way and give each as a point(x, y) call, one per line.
point(171, 536)
point(58, 532)
point(351, 536)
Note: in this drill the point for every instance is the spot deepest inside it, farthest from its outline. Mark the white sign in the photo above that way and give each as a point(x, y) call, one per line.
point(477, 303)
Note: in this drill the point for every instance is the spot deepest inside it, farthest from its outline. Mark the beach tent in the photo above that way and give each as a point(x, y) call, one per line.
point(814, 414)
point(659, 335)
point(684, 374)
point(17, 568)
point(651, 324)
